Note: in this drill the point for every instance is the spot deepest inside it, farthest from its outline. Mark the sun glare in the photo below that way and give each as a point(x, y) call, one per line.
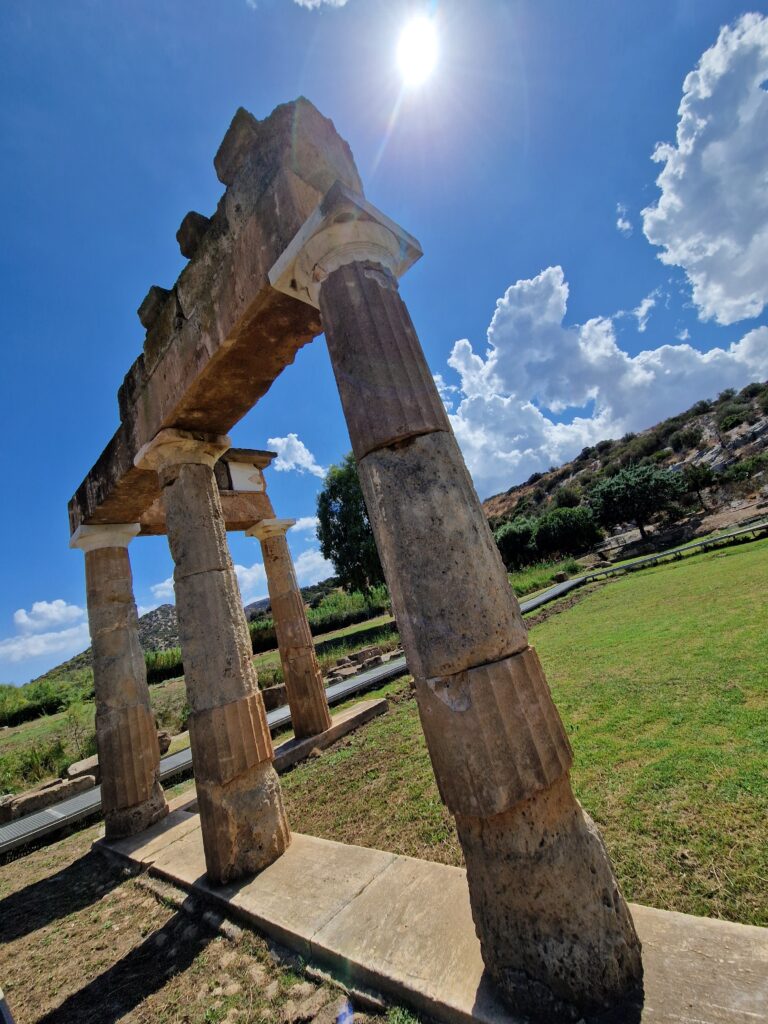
point(417, 50)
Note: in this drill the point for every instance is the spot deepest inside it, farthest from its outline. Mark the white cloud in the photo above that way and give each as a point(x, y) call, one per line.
point(43, 615)
point(712, 216)
point(66, 642)
point(445, 390)
point(623, 224)
point(252, 580)
point(684, 335)
point(305, 524)
point(294, 454)
point(535, 366)
point(312, 4)
point(643, 311)
point(163, 591)
point(311, 567)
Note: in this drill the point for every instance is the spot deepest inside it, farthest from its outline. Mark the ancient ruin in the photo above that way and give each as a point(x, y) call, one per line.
point(294, 249)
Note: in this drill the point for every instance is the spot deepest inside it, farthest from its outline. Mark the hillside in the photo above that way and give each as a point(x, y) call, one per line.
point(729, 435)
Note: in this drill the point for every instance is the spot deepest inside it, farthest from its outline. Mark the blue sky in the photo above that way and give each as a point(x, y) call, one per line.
point(554, 310)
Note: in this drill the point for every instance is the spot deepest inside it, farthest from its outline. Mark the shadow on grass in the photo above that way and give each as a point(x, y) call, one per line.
point(81, 883)
point(145, 970)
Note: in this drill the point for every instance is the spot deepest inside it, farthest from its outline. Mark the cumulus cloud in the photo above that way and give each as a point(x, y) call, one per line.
point(542, 390)
point(445, 390)
point(163, 591)
point(44, 616)
point(311, 567)
point(66, 642)
point(305, 524)
point(252, 580)
point(623, 224)
point(294, 454)
point(712, 216)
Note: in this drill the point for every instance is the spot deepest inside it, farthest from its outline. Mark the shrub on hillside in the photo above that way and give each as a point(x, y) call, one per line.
point(688, 437)
point(566, 531)
point(515, 541)
point(733, 414)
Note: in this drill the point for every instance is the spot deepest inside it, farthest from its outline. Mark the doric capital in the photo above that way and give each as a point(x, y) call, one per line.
point(344, 228)
point(267, 528)
point(111, 535)
point(171, 447)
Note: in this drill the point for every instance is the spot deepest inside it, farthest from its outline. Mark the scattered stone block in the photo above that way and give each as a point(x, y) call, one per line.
point(43, 796)
point(560, 577)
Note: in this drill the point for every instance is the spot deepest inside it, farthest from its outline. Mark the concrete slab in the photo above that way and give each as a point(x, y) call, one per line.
point(403, 927)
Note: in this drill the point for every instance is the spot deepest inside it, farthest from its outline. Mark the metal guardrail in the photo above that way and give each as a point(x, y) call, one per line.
point(37, 825)
point(34, 826)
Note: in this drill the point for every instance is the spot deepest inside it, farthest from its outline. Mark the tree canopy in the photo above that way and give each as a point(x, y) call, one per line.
point(636, 494)
point(344, 532)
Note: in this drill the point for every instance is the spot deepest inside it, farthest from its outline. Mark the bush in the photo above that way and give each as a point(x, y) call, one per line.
point(566, 531)
point(515, 541)
point(751, 391)
point(687, 438)
point(566, 497)
point(35, 762)
point(733, 414)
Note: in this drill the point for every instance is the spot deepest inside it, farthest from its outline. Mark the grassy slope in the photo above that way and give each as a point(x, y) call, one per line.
point(661, 680)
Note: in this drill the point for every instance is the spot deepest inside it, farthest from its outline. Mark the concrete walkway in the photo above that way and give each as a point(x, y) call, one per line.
point(403, 927)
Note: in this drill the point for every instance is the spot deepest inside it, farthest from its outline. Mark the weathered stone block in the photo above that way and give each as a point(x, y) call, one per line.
point(229, 739)
point(50, 793)
point(194, 520)
point(243, 823)
point(128, 753)
point(494, 735)
point(190, 233)
point(556, 934)
point(217, 652)
point(450, 593)
point(386, 387)
point(152, 305)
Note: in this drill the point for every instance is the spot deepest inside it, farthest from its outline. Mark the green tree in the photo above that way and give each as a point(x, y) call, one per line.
point(344, 531)
point(516, 542)
point(636, 493)
point(697, 478)
point(567, 531)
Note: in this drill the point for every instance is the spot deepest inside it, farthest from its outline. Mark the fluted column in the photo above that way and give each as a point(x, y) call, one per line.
point(303, 679)
point(129, 756)
point(243, 821)
point(554, 929)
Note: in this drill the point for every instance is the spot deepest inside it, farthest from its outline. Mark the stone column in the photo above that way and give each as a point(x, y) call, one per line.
point(242, 818)
point(554, 929)
point(303, 679)
point(129, 757)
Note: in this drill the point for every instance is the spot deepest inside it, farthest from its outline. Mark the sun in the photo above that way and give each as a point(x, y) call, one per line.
point(417, 50)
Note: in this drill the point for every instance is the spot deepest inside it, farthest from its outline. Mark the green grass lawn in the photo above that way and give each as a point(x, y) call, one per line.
point(661, 679)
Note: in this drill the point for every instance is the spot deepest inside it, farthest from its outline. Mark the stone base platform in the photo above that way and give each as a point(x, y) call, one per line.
point(402, 927)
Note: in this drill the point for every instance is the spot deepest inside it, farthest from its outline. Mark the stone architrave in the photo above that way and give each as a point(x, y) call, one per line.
point(242, 818)
point(554, 929)
point(131, 795)
point(303, 679)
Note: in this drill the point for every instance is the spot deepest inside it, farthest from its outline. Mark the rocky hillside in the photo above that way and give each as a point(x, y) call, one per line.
point(729, 434)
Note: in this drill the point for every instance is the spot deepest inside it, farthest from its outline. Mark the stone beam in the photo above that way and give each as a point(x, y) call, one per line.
point(222, 334)
point(242, 493)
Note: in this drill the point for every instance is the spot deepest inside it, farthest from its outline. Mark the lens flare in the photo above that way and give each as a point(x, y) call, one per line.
point(417, 50)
